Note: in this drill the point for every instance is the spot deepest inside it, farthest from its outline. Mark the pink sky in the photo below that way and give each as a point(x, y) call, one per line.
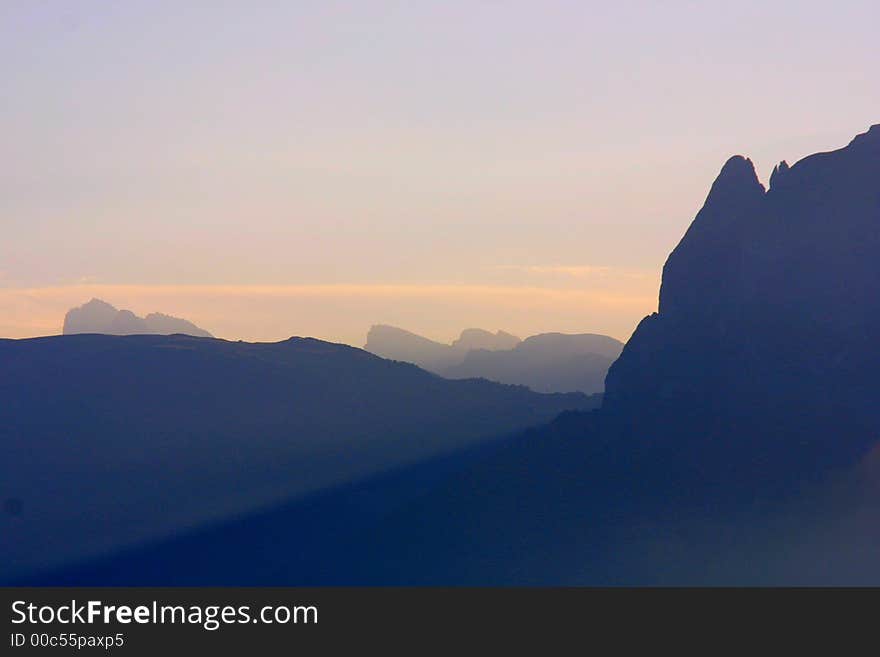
point(312, 168)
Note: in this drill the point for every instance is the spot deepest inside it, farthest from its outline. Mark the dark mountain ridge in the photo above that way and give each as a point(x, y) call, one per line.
point(768, 317)
point(106, 441)
point(738, 438)
point(737, 444)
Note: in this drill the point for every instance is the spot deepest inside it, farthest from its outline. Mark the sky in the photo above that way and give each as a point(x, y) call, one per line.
point(269, 169)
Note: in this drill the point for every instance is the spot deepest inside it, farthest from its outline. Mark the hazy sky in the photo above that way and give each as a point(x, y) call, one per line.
point(268, 169)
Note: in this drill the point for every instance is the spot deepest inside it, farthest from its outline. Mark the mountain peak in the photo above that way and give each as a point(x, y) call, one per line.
point(98, 316)
point(737, 164)
point(95, 302)
point(779, 172)
point(709, 249)
point(871, 136)
point(769, 301)
point(476, 338)
point(737, 177)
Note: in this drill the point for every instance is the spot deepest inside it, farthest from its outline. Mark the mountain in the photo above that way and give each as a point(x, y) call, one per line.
point(474, 338)
point(111, 441)
point(764, 346)
point(737, 442)
point(98, 316)
point(549, 362)
point(738, 438)
point(399, 344)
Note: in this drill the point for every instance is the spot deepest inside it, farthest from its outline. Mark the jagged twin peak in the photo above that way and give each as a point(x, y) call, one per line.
point(475, 338)
point(770, 304)
point(399, 344)
point(98, 316)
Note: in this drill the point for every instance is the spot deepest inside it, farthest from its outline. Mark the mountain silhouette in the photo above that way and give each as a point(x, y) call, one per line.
point(738, 438)
point(400, 344)
point(108, 441)
point(98, 316)
point(474, 338)
point(768, 317)
point(548, 362)
point(738, 441)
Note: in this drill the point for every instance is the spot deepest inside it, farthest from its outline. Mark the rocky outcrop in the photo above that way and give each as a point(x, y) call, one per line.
point(764, 346)
point(98, 316)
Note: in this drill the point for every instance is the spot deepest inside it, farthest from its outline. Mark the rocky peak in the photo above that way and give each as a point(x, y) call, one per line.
point(736, 179)
point(779, 172)
point(768, 317)
point(872, 136)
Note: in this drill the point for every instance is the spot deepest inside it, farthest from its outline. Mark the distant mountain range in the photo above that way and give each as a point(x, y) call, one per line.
point(549, 362)
point(98, 316)
point(400, 344)
point(108, 441)
point(738, 443)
